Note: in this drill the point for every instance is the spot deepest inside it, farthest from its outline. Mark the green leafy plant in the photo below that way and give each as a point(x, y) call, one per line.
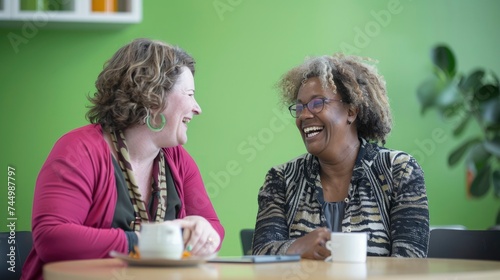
point(461, 99)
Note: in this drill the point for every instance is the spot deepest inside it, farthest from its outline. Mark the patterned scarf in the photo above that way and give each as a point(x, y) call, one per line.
point(159, 193)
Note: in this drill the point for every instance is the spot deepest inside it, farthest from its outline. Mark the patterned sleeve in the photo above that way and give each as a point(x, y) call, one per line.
point(409, 211)
point(271, 229)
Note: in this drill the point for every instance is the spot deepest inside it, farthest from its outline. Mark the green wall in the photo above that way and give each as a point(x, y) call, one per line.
point(242, 48)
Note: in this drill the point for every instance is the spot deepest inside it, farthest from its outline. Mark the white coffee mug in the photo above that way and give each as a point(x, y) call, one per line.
point(161, 240)
point(347, 246)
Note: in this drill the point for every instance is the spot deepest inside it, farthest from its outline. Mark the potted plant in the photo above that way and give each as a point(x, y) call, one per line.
point(461, 99)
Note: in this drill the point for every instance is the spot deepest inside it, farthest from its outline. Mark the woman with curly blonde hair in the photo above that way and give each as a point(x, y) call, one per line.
point(102, 181)
point(347, 181)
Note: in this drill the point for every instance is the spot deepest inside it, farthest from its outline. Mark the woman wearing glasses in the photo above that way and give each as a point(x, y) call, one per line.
point(347, 181)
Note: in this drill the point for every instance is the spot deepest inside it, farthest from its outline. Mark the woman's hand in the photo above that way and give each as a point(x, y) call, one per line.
point(312, 245)
point(199, 235)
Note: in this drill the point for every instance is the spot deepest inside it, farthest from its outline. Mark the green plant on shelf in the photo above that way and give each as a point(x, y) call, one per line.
point(461, 99)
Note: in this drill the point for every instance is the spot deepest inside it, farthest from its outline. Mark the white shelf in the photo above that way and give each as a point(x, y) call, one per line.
point(73, 13)
point(5, 9)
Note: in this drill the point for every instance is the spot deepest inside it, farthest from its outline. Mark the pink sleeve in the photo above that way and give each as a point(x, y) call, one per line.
point(74, 201)
point(189, 184)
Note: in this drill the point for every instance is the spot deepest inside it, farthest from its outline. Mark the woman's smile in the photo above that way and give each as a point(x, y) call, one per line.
point(312, 131)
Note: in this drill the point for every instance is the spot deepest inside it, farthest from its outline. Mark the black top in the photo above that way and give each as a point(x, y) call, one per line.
point(124, 210)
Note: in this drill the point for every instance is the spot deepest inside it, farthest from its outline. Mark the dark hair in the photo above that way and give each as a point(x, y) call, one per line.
point(135, 81)
point(358, 84)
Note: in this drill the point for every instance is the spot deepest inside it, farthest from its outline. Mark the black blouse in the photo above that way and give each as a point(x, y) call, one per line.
point(124, 210)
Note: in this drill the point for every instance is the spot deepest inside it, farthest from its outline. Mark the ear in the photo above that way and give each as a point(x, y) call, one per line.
point(352, 114)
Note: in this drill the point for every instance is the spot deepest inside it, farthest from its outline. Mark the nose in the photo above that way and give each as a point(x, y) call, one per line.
point(196, 108)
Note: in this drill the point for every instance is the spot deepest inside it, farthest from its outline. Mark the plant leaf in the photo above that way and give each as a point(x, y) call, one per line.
point(490, 114)
point(451, 112)
point(493, 146)
point(495, 77)
point(478, 163)
point(479, 155)
point(486, 92)
point(428, 91)
point(461, 126)
point(496, 183)
point(449, 96)
point(472, 81)
point(457, 154)
point(443, 57)
point(482, 181)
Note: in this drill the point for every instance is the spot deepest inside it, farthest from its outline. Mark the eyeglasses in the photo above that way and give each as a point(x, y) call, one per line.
point(314, 106)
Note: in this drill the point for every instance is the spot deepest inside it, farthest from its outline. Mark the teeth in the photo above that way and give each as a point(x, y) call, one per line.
point(312, 134)
point(186, 121)
point(312, 128)
point(312, 131)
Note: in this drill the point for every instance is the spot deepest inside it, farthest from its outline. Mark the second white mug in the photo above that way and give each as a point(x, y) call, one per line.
point(348, 247)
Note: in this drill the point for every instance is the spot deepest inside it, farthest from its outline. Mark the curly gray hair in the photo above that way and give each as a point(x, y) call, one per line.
point(358, 83)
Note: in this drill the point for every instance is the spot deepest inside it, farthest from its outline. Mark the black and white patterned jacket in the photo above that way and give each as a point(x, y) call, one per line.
point(387, 199)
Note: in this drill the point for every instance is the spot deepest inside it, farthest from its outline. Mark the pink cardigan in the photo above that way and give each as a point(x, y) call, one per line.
point(75, 198)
